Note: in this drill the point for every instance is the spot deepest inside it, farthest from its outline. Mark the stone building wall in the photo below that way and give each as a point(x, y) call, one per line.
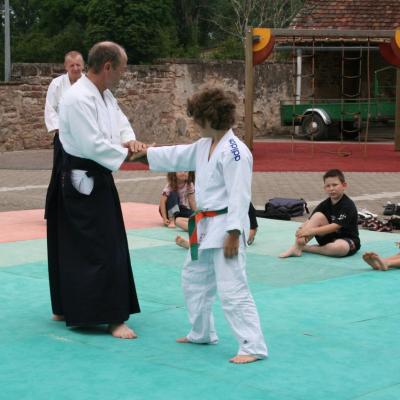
point(152, 96)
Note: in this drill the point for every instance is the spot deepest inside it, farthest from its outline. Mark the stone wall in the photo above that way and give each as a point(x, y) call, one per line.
point(152, 96)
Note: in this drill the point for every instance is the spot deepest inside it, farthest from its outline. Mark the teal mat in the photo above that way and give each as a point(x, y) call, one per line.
point(331, 326)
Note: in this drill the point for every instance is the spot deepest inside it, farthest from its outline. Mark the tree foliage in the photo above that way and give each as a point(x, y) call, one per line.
point(44, 30)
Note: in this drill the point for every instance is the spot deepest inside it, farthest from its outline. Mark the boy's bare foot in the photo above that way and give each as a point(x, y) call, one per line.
point(374, 261)
point(244, 359)
point(57, 317)
point(180, 241)
point(122, 331)
point(291, 252)
point(171, 225)
point(183, 339)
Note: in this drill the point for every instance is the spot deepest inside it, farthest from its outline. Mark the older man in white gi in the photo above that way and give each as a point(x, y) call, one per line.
point(73, 64)
point(90, 273)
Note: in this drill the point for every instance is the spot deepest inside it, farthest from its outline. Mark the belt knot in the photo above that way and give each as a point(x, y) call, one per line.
point(194, 219)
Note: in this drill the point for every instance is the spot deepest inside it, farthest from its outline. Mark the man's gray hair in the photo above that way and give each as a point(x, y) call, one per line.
point(103, 52)
point(72, 54)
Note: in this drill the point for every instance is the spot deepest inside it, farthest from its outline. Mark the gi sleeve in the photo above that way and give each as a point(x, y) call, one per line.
point(172, 158)
point(126, 131)
point(237, 171)
point(84, 128)
point(50, 108)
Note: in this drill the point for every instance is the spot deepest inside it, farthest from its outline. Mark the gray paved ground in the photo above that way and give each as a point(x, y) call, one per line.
point(24, 176)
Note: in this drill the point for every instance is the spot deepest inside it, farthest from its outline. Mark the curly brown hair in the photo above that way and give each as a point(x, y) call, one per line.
point(213, 105)
point(173, 181)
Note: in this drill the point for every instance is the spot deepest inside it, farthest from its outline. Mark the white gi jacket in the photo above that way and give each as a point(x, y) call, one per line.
point(223, 181)
point(92, 126)
point(58, 86)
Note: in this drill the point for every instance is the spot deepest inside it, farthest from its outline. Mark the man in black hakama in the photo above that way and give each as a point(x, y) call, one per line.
point(90, 272)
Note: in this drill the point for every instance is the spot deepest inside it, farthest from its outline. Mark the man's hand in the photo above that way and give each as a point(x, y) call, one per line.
point(137, 151)
point(134, 146)
point(231, 244)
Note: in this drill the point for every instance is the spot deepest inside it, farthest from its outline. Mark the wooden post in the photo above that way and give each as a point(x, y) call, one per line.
point(7, 51)
point(397, 126)
point(249, 89)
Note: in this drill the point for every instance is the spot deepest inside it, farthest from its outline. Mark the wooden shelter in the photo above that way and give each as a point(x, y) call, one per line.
point(323, 21)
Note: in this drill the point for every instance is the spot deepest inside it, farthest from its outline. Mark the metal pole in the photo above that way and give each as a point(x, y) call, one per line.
point(298, 76)
point(397, 126)
point(333, 33)
point(7, 52)
point(325, 48)
point(299, 72)
point(249, 89)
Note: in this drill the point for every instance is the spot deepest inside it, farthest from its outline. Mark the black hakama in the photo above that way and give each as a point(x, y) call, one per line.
point(57, 164)
point(90, 272)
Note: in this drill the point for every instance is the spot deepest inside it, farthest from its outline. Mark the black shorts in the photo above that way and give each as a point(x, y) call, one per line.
point(323, 240)
point(184, 212)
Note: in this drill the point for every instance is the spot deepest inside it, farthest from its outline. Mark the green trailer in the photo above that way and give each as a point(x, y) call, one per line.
point(316, 117)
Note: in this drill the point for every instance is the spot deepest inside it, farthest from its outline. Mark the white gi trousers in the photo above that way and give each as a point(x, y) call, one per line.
point(212, 273)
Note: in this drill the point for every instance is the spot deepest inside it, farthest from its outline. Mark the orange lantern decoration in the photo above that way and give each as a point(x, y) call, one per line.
point(391, 51)
point(263, 44)
point(395, 43)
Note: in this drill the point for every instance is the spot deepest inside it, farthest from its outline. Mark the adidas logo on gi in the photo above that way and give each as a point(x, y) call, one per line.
point(234, 149)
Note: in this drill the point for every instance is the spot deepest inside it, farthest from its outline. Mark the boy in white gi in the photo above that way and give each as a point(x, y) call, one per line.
point(217, 259)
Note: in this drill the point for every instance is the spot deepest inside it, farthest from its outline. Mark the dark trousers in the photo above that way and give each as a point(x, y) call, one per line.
point(57, 164)
point(176, 209)
point(90, 274)
point(252, 216)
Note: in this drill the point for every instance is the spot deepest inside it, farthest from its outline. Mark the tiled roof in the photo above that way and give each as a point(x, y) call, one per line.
point(348, 14)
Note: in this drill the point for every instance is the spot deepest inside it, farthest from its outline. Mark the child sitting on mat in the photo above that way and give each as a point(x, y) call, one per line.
point(333, 223)
point(177, 202)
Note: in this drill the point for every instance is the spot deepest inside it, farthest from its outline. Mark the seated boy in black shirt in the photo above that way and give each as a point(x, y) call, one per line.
point(333, 223)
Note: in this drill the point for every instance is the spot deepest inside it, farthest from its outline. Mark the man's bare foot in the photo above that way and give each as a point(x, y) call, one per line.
point(171, 225)
point(57, 317)
point(244, 359)
point(122, 331)
point(291, 252)
point(183, 339)
point(180, 241)
point(374, 261)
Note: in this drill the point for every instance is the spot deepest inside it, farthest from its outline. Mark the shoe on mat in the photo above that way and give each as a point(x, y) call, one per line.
point(364, 213)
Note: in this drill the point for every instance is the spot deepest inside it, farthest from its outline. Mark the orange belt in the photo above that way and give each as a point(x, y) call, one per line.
point(192, 227)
